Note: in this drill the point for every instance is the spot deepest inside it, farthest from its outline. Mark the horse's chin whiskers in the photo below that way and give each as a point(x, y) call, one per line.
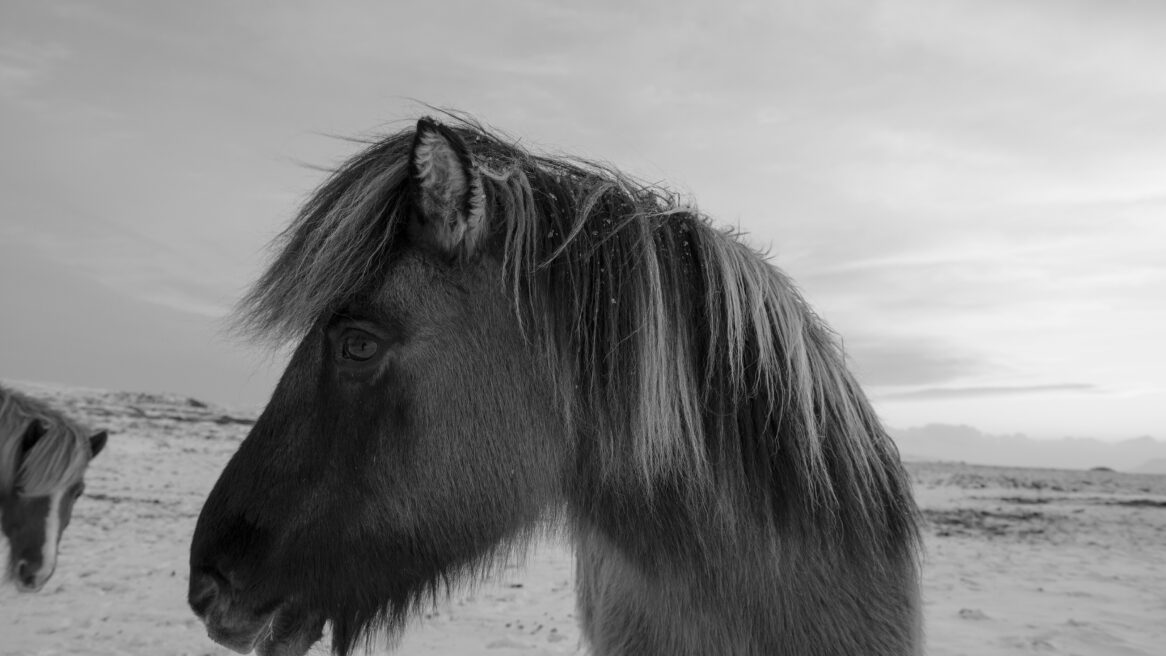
point(268, 630)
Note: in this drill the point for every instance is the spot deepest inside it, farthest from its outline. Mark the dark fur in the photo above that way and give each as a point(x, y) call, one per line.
point(594, 346)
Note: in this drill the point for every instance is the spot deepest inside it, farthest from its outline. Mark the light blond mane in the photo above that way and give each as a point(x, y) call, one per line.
point(58, 459)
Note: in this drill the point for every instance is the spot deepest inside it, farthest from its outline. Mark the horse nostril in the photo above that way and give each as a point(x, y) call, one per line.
point(26, 575)
point(206, 585)
point(204, 589)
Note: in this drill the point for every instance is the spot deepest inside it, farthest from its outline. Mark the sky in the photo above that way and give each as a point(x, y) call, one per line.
point(972, 194)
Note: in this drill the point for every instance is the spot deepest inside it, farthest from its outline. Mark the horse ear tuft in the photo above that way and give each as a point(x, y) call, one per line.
point(449, 198)
point(97, 443)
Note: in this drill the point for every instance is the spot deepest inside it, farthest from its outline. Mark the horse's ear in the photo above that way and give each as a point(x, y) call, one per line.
point(35, 430)
point(449, 200)
point(97, 443)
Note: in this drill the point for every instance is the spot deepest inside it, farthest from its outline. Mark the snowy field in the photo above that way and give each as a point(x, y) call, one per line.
point(1018, 561)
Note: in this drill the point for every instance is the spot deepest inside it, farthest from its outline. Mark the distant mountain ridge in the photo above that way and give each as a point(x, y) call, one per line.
point(967, 444)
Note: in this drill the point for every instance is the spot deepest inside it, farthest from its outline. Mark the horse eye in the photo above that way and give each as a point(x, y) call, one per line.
point(78, 491)
point(358, 347)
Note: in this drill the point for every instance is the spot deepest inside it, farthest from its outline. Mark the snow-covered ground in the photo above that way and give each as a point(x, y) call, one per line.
point(1018, 561)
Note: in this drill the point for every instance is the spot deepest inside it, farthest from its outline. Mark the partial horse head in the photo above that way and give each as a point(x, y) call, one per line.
point(488, 338)
point(43, 457)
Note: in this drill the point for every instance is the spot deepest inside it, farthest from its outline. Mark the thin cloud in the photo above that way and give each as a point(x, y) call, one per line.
point(937, 393)
point(23, 65)
point(1111, 42)
point(883, 360)
point(127, 262)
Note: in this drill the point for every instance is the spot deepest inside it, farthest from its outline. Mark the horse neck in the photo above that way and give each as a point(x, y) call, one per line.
point(666, 587)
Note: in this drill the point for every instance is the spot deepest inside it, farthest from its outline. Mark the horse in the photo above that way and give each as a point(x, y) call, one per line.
point(43, 458)
point(486, 341)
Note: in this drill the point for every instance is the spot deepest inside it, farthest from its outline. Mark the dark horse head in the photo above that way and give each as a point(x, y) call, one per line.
point(43, 457)
point(490, 340)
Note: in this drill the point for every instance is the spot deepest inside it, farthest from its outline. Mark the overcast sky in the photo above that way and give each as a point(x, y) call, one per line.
point(972, 193)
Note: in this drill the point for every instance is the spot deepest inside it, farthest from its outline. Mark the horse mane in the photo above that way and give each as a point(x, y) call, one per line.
point(693, 360)
point(58, 458)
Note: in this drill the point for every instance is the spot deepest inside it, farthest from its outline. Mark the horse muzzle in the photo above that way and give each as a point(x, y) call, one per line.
point(29, 578)
point(284, 630)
